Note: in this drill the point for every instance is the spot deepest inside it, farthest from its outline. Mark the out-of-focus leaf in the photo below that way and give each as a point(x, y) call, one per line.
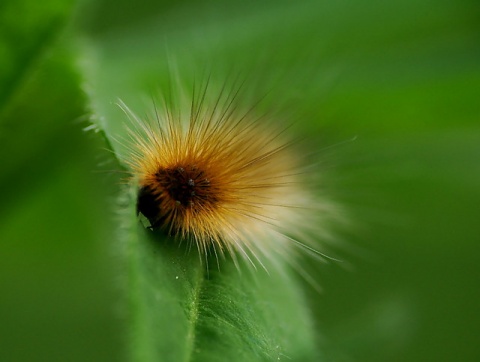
point(27, 28)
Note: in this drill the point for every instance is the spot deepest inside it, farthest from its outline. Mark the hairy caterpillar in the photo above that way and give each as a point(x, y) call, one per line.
point(224, 176)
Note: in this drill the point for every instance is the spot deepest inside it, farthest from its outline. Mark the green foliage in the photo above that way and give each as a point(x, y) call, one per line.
point(402, 76)
point(182, 311)
point(54, 280)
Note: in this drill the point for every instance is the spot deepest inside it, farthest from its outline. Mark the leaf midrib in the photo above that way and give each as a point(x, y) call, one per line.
point(194, 314)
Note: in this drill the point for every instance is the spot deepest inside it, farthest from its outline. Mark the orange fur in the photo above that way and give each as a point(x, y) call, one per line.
point(222, 177)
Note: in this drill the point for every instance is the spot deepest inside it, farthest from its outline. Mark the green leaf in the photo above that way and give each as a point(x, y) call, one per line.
point(182, 311)
point(34, 81)
point(54, 271)
point(27, 29)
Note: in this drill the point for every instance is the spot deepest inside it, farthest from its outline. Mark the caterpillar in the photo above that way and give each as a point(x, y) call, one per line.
point(225, 177)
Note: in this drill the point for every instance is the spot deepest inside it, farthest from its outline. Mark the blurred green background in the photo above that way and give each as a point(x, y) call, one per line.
point(403, 77)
